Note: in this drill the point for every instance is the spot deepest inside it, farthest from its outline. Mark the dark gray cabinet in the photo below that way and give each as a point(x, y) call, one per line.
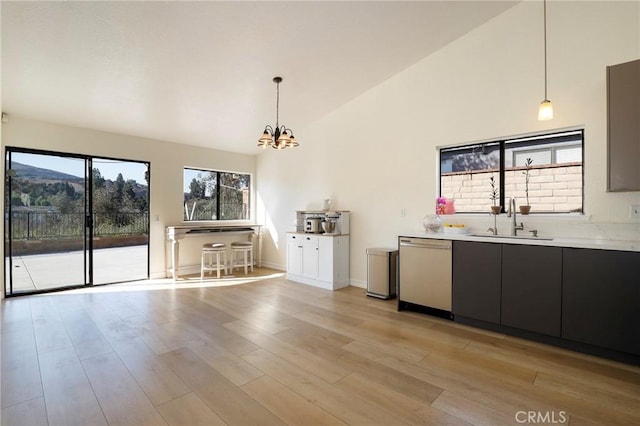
point(476, 280)
point(623, 127)
point(601, 298)
point(532, 288)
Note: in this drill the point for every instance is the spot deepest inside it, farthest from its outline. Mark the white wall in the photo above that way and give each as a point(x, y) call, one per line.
point(167, 163)
point(377, 154)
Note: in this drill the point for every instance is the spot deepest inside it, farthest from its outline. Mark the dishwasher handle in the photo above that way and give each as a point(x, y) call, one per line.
point(427, 245)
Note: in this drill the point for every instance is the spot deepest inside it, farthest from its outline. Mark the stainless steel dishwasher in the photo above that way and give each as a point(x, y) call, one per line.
point(425, 273)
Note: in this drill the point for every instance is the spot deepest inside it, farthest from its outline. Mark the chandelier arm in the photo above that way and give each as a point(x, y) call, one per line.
point(269, 129)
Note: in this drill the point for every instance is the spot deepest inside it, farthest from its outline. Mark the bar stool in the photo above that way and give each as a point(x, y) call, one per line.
point(246, 249)
point(210, 250)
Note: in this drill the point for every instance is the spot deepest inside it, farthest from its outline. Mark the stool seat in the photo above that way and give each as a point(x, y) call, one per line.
point(209, 251)
point(245, 248)
point(214, 246)
point(241, 244)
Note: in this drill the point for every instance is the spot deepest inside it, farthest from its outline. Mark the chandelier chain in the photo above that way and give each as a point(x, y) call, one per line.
point(277, 103)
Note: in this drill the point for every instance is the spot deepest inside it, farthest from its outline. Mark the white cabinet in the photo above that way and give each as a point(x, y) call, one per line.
point(318, 260)
point(294, 254)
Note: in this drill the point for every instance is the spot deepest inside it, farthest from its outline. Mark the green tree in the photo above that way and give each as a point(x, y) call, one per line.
point(16, 199)
point(98, 180)
point(119, 188)
point(196, 189)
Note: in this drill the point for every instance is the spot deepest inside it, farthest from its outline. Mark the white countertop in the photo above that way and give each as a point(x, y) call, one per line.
point(317, 234)
point(589, 243)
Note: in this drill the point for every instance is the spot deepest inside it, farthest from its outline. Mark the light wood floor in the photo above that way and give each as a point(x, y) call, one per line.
point(276, 352)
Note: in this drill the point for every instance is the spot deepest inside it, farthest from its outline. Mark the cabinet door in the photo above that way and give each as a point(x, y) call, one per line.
point(476, 280)
point(294, 254)
point(623, 126)
point(326, 258)
point(532, 288)
point(601, 298)
point(310, 257)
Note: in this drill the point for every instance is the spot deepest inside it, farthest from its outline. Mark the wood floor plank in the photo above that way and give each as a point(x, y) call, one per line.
point(122, 400)
point(15, 315)
point(208, 331)
point(343, 405)
point(189, 410)
point(394, 379)
point(318, 366)
point(547, 358)
point(228, 401)
point(31, 413)
point(87, 339)
point(593, 392)
point(472, 412)
point(67, 391)
point(353, 331)
point(157, 380)
point(292, 408)
point(231, 366)
point(409, 410)
point(20, 381)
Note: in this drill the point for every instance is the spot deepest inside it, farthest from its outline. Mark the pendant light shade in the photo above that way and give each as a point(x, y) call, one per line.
point(545, 110)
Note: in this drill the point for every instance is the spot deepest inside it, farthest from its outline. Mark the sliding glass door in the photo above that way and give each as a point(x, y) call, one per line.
point(73, 221)
point(120, 216)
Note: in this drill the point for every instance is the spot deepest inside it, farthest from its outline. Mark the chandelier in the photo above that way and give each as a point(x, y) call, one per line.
point(278, 137)
point(545, 110)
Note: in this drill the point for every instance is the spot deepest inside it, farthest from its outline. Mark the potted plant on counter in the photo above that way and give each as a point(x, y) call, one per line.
point(493, 196)
point(526, 208)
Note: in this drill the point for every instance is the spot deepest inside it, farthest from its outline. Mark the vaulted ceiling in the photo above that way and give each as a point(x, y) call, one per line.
point(200, 73)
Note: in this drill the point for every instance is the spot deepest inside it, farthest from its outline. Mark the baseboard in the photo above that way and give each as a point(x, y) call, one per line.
point(275, 266)
point(358, 283)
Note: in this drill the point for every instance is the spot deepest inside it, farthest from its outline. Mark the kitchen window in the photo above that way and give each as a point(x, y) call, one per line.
point(215, 195)
point(556, 177)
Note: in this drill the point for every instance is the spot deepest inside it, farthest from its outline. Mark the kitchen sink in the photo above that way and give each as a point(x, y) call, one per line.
point(514, 237)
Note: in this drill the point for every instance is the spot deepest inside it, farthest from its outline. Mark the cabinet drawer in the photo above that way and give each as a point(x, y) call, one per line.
point(309, 240)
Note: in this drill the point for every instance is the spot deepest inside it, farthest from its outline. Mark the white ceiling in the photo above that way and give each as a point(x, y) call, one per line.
point(200, 73)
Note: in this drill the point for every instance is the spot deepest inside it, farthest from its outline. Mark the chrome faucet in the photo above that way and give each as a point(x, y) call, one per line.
point(512, 214)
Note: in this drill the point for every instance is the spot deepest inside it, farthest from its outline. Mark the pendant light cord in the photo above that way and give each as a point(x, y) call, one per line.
point(545, 50)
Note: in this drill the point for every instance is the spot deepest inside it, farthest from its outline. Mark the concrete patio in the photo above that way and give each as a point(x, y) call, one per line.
point(48, 271)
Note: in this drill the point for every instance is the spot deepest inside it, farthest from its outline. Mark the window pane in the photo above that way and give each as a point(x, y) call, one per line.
point(213, 195)
point(234, 196)
point(555, 174)
point(465, 175)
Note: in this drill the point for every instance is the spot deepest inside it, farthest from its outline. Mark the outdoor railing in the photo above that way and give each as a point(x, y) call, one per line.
point(48, 225)
point(230, 211)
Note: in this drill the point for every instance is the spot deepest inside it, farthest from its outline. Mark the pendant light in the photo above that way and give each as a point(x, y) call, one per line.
point(278, 137)
point(545, 111)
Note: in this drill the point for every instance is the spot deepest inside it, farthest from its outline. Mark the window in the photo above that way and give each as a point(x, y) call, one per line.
point(213, 195)
point(555, 174)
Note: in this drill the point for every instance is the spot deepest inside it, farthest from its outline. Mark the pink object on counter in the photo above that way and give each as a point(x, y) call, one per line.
point(449, 206)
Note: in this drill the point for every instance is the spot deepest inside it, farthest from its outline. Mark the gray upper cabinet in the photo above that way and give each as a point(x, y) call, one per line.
point(623, 127)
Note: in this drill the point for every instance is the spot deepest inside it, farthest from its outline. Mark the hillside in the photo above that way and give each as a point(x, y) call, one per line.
point(24, 171)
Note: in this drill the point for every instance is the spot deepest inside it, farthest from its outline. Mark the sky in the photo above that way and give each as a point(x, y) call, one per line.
point(109, 169)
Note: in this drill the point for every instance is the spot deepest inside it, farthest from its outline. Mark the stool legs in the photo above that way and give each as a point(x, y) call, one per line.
point(206, 262)
point(246, 259)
